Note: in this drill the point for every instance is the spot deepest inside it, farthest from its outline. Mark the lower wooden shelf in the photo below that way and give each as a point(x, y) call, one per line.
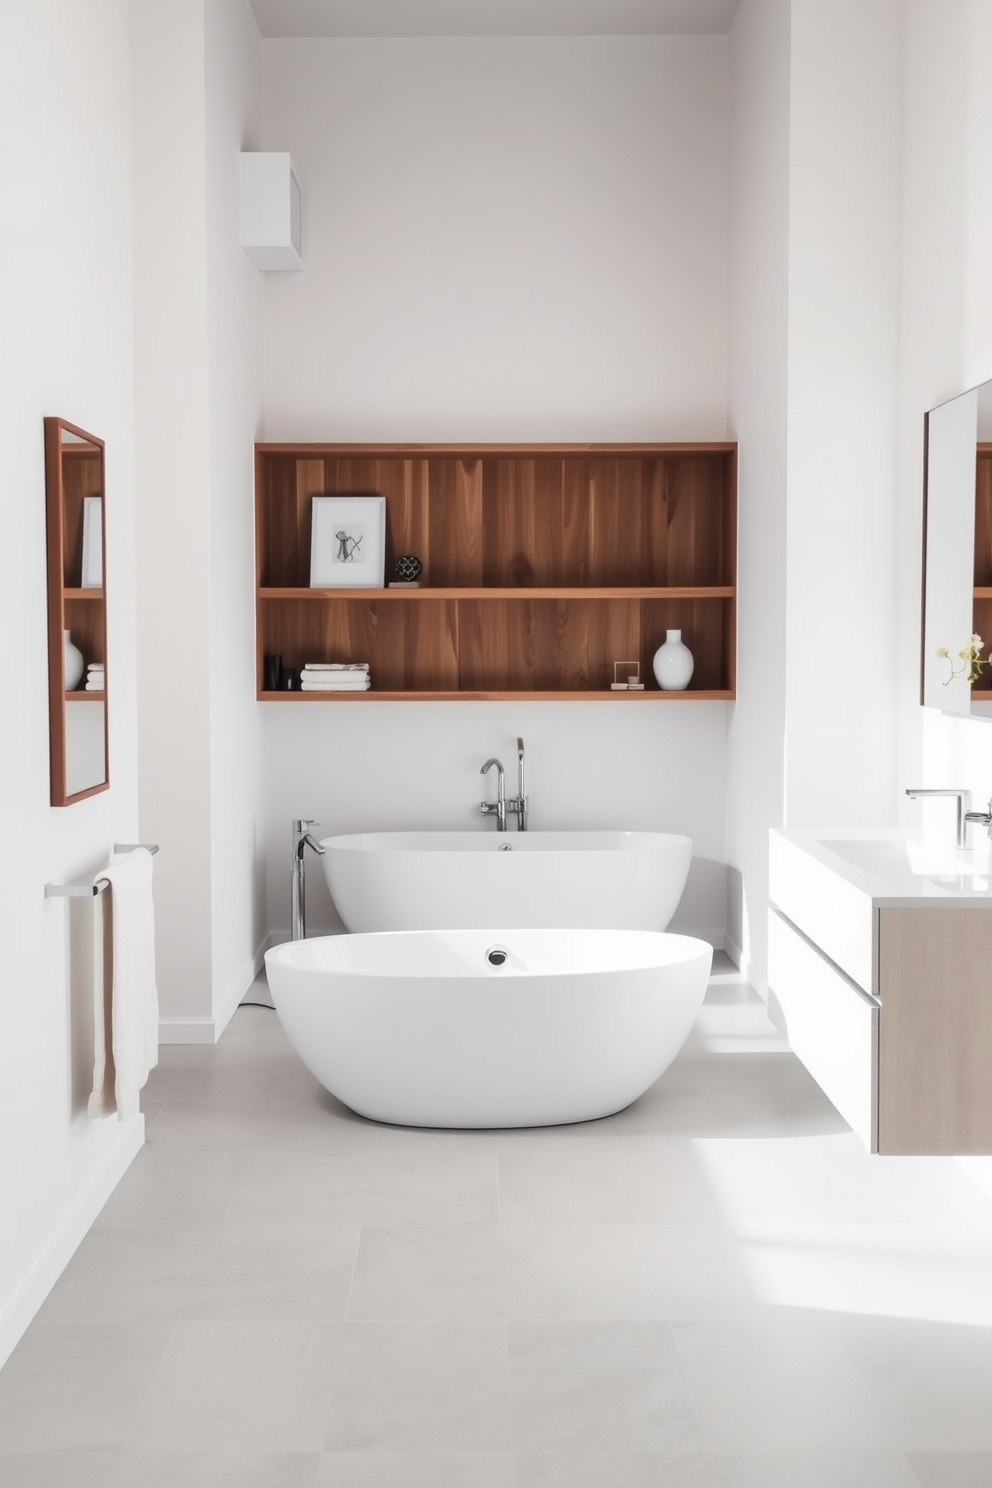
point(294, 695)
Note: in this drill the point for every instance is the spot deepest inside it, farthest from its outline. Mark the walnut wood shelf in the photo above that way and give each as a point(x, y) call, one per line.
point(543, 565)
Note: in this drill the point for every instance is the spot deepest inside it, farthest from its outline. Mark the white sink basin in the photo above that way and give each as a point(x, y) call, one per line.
point(891, 855)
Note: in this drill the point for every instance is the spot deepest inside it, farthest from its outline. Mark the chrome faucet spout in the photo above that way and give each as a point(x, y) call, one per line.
point(964, 812)
point(496, 808)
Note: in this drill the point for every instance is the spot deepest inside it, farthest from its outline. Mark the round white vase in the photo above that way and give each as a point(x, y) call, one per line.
point(673, 663)
point(73, 663)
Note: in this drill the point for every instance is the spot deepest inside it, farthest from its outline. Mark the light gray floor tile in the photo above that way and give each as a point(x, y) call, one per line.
point(77, 1387)
point(952, 1469)
point(134, 1470)
point(318, 1124)
point(599, 1386)
point(283, 1188)
point(670, 1184)
point(418, 1386)
point(770, 1384)
point(625, 1272)
point(931, 1381)
point(825, 1179)
point(717, 1470)
point(167, 1187)
point(628, 1272)
point(430, 1271)
point(564, 1188)
point(900, 1270)
point(208, 1273)
point(239, 1387)
point(416, 1470)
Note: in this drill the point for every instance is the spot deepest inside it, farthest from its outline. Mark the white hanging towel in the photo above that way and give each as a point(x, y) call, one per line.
point(125, 998)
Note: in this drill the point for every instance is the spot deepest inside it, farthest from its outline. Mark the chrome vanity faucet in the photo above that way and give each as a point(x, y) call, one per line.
point(964, 811)
point(497, 808)
point(518, 805)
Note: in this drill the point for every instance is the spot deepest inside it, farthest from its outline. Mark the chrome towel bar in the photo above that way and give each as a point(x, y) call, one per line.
point(90, 890)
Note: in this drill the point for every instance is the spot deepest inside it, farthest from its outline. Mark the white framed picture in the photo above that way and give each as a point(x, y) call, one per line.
point(348, 542)
point(92, 575)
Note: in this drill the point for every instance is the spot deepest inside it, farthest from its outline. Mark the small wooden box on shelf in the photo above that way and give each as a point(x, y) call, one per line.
point(543, 564)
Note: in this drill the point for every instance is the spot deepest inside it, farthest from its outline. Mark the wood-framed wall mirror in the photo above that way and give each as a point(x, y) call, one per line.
point(77, 612)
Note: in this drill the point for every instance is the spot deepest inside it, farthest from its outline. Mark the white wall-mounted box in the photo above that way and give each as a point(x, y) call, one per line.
point(271, 210)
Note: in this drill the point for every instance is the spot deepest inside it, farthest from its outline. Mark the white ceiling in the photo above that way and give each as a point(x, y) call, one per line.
point(304, 18)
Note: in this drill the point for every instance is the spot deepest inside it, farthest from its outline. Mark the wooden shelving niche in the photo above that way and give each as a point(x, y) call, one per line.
point(543, 565)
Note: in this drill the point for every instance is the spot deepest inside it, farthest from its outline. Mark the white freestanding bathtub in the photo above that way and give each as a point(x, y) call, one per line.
point(489, 1028)
point(457, 880)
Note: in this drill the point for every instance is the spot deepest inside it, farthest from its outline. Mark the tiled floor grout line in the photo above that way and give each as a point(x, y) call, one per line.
point(148, 1394)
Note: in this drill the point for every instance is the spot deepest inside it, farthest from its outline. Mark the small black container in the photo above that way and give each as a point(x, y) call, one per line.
point(272, 673)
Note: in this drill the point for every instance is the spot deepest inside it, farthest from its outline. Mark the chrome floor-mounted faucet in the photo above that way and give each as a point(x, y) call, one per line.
point(301, 841)
point(518, 805)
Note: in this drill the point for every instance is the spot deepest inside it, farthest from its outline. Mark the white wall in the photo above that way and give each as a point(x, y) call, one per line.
point(406, 766)
point(503, 240)
point(845, 198)
point(759, 91)
point(66, 350)
point(947, 334)
point(235, 372)
point(198, 398)
point(817, 91)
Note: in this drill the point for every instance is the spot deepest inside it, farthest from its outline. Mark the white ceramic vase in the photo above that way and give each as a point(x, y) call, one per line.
point(673, 663)
point(73, 663)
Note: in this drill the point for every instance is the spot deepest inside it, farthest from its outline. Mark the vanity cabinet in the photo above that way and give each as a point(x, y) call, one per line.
point(543, 565)
point(886, 1003)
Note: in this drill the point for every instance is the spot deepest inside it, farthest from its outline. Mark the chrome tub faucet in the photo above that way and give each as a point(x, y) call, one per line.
point(496, 808)
point(517, 805)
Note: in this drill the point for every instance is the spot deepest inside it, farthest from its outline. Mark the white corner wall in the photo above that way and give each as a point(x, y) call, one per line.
point(504, 239)
point(759, 93)
point(845, 223)
point(198, 397)
point(66, 350)
point(947, 332)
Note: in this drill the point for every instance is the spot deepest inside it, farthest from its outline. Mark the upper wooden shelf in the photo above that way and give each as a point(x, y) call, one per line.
point(83, 593)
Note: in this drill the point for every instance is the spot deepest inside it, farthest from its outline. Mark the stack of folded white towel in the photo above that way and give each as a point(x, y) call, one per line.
point(96, 677)
point(335, 676)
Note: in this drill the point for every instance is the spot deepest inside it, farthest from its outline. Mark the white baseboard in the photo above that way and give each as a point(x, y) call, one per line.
point(186, 1031)
point(208, 1030)
point(20, 1309)
point(734, 951)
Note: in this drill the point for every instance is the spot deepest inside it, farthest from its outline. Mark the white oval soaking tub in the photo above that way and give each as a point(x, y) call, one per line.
point(457, 880)
point(428, 1028)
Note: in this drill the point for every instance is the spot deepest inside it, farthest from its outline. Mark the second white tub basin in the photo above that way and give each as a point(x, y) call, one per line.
point(463, 880)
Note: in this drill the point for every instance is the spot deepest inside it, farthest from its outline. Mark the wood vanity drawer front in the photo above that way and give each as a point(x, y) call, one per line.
point(831, 1025)
point(935, 1049)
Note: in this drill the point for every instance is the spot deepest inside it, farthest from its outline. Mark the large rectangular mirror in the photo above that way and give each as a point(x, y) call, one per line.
point(957, 561)
point(77, 612)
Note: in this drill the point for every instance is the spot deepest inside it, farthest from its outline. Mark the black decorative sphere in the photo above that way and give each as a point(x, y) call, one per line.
point(408, 568)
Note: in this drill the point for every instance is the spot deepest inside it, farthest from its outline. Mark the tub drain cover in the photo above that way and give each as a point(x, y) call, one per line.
point(496, 955)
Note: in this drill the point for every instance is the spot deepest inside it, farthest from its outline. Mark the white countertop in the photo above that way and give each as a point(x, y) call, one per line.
point(898, 869)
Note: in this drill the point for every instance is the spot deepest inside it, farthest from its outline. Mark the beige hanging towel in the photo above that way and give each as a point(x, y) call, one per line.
point(125, 997)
